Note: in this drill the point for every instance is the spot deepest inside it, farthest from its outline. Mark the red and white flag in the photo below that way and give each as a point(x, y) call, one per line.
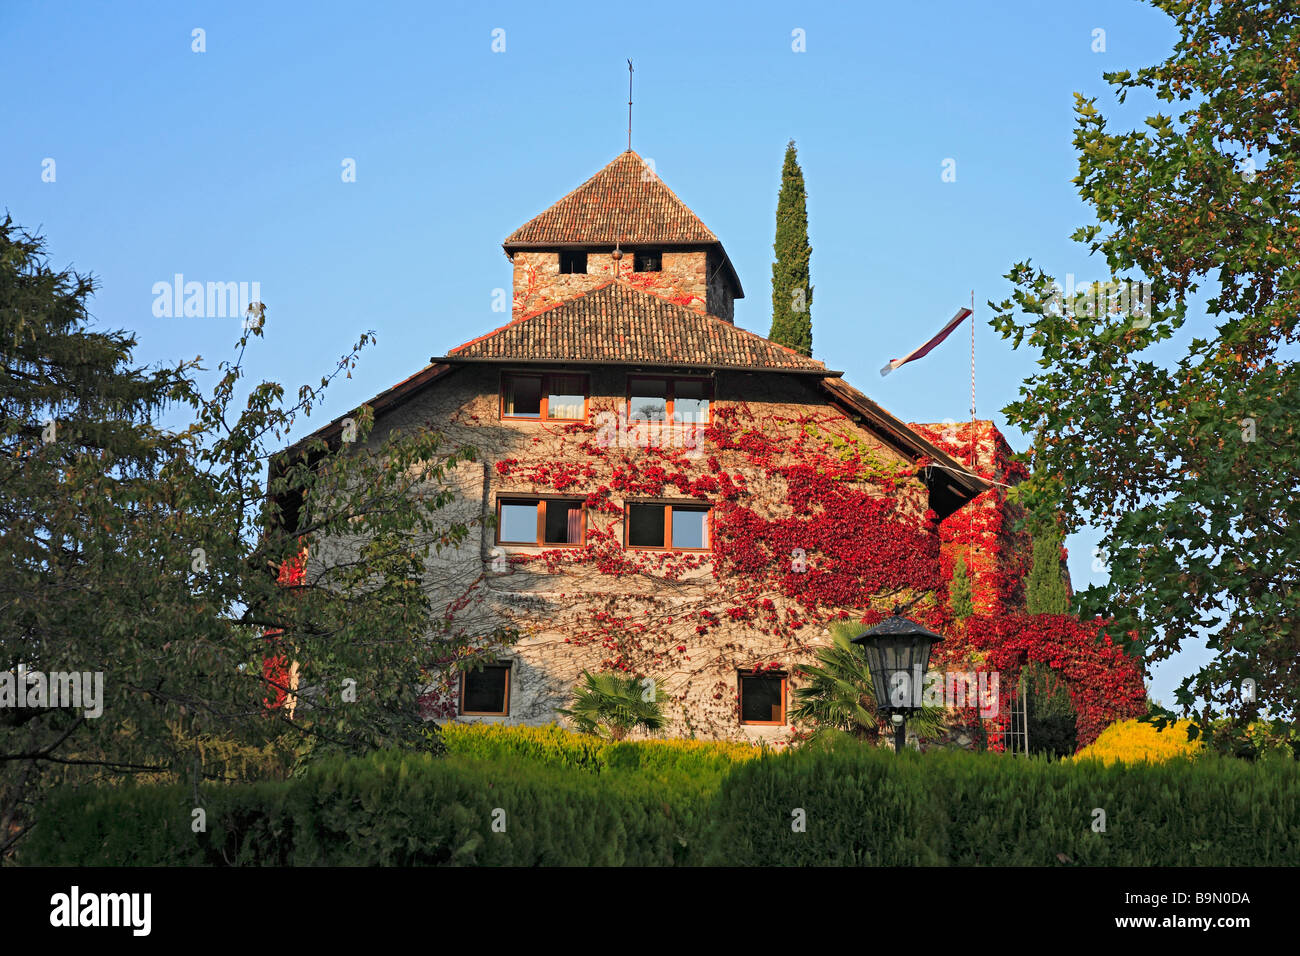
point(924, 350)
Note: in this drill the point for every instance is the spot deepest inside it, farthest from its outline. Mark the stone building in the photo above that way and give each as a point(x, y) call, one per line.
point(662, 493)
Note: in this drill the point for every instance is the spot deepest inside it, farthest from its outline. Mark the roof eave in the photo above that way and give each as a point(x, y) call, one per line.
point(386, 399)
point(958, 480)
point(731, 271)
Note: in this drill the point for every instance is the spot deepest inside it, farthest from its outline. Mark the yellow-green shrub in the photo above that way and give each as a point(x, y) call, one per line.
point(1130, 741)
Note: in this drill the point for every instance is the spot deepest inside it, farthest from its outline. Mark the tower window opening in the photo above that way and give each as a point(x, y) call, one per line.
point(573, 263)
point(651, 261)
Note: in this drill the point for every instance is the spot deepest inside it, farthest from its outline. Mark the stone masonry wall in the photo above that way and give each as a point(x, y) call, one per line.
point(690, 620)
point(684, 280)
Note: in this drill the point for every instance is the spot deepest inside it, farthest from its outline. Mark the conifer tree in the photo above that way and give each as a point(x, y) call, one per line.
point(138, 593)
point(960, 595)
point(1045, 587)
point(791, 285)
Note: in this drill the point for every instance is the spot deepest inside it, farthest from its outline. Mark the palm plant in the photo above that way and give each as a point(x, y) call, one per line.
point(840, 695)
point(611, 706)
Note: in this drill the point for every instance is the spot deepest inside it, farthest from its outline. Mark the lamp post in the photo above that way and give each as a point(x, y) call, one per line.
point(898, 655)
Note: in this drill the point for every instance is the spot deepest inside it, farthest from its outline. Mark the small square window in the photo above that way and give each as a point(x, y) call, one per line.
point(486, 691)
point(762, 698)
point(573, 263)
point(522, 396)
point(518, 523)
point(649, 261)
point(690, 400)
point(566, 397)
point(563, 522)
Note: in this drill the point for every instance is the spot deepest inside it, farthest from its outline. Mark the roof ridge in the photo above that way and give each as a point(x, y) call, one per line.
point(638, 208)
point(576, 295)
point(575, 189)
point(669, 189)
point(716, 318)
point(623, 283)
point(617, 321)
point(524, 318)
point(502, 328)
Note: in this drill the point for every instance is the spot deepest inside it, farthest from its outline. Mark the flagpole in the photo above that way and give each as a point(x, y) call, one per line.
point(972, 380)
point(971, 559)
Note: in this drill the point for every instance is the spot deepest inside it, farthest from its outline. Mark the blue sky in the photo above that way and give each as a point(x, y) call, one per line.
point(226, 165)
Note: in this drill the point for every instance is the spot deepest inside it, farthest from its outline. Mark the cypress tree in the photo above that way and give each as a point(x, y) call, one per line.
point(791, 286)
point(1045, 586)
point(960, 596)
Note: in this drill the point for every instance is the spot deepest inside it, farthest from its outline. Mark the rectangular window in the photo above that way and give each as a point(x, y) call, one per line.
point(573, 263)
point(566, 397)
point(521, 396)
point(762, 698)
point(690, 528)
point(541, 522)
point(684, 400)
point(555, 397)
point(486, 691)
point(690, 400)
point(650, 260)
point(648, 401)
point(667, 527)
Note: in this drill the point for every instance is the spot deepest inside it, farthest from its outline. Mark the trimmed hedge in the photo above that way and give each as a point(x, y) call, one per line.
point(571, 800)
point(706, 760)
point(871, 807)
point(388, 809)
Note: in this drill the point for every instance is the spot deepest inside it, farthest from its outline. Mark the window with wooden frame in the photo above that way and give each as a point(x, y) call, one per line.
point(762, 697)
point(544, 396)
point(656, 399)
point(667, 527)
point(541, 522)
point(485, 692)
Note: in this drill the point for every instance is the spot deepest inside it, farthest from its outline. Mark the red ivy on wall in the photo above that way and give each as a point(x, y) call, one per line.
point(1104, 683)
point(807, 526)
point(827, 530)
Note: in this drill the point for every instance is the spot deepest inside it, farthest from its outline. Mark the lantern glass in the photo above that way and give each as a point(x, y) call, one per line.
point(898, 656)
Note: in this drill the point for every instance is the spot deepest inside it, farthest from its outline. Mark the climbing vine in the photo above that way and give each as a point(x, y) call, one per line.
point(810, 523)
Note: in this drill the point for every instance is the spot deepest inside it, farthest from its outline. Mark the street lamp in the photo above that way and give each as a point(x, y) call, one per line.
point(898, 655)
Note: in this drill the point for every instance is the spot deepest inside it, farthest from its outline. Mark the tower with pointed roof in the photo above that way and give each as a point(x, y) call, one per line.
point(622, 224)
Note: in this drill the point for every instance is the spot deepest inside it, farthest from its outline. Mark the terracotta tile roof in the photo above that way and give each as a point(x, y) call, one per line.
point(618, 324)
point(625, 203)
